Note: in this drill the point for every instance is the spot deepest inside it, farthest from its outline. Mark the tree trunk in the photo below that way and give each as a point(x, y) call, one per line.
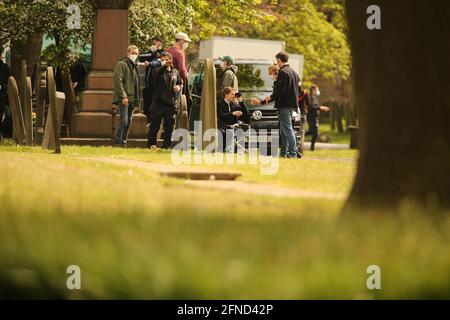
point(30, 50)
point(401, 76)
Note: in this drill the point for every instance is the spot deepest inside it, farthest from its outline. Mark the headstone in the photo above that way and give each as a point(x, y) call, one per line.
point(28, 111)
point(42, 97)
point(16, 112)
point(182, 116)
point(208, 106)
point(26, 93)
point(55, 115)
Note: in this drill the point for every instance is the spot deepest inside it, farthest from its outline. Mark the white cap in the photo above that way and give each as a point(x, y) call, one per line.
point(182, 36)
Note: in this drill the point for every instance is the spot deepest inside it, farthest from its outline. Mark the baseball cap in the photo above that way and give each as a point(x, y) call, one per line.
point(228, 59)
point(182, 36)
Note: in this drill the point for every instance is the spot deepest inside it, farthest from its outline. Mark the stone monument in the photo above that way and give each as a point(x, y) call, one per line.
point(110, 44)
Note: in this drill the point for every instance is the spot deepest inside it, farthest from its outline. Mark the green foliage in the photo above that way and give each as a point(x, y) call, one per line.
point(314, 28)
point(20, 19)
point(250, 77)
point(201, 18)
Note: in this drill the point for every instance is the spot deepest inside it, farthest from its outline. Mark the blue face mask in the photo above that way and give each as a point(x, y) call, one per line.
point(318, 93)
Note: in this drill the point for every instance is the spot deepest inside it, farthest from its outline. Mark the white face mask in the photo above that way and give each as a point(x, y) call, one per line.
point(153, 48)
point(318, 92)
point(133, 57)
point(185, 45)
point(273, 77)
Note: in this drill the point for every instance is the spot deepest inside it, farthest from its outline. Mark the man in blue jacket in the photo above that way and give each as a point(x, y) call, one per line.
point(285, 94)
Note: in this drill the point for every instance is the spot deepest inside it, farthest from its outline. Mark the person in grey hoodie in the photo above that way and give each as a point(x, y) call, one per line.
point(228, 76)
point(126, 93)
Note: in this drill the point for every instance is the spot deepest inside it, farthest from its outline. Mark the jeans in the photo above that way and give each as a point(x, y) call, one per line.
point(157, 114)
point(288, 139)
point(126, 117)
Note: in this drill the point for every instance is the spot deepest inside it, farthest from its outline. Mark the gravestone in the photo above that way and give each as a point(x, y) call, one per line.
point(19, 133)
point(26, 93)
point(182, 116)
point(55, 115)
point(208, 106)
point(42, 98)
point(28, 111)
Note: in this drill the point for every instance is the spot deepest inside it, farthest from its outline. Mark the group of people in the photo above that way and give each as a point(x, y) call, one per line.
point(288, 97)
point(165, 78)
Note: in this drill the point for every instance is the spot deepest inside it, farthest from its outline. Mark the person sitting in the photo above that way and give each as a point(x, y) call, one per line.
point(231, 111)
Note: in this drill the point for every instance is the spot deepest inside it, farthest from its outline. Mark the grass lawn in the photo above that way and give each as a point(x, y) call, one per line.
point(137, 234)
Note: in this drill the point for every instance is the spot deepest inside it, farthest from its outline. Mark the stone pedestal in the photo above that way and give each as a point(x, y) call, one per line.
point(110, 44)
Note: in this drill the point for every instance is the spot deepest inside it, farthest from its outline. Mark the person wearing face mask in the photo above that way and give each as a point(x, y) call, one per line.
point(182, 41)
point(126, 93)
point(178, 56)
point(228, 76)
point(314, 109)
point(168, 84)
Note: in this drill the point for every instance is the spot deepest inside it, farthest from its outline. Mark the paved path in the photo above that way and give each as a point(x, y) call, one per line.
point(234, 186)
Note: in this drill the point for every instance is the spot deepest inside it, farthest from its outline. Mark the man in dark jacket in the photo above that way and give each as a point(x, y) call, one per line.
point(126, 93)
point(285, 94)
point(167, 88)
point(5, 73)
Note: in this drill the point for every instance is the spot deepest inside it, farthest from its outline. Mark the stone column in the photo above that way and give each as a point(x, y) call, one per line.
point(110, 41)
point(110, 44)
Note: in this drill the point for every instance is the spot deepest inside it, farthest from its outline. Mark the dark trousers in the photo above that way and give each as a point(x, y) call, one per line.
point(147, 95)
point(313, 131)
point(126, 118)
point(157, 114)
point(302, 134)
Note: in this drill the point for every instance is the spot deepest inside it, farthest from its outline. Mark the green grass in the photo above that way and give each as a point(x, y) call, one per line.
point(335, 137)
point(136, 234)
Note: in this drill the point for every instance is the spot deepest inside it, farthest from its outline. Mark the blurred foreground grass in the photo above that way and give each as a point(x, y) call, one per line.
point(136, 234)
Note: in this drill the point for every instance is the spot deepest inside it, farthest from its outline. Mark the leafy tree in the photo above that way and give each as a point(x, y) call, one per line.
point(201, 18)
point(314, 28)
point(25, 22)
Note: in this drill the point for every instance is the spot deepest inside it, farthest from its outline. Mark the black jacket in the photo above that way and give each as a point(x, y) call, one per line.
point(313, 107)
point(225, 113)
point(164, 81)
point(285, 89)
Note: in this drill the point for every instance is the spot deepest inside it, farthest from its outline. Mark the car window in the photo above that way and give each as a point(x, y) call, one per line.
point(196, 76)
point(254, 77)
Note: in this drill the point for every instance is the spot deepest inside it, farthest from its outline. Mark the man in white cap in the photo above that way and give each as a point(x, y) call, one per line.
point(178, 57)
